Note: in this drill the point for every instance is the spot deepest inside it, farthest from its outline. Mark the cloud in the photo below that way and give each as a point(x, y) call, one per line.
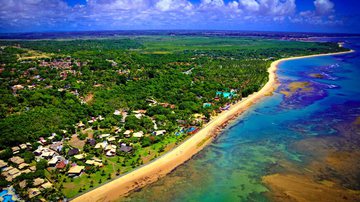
point(324, 7)
point(269, 7)
point(322, 15)
point(42, 15)
point(171, 5)
point(249, 5)
point(212, 3)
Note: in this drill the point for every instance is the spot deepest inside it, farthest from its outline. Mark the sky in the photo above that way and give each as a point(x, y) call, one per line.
point(341, 16)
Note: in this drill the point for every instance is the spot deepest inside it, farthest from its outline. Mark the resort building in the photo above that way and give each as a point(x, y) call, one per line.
point(23, 165)
point(17, 160)
point(46, 185)
point(32, 192)
point(3, 164)
point(23, 146)
point(15, 149)
point(38, 181)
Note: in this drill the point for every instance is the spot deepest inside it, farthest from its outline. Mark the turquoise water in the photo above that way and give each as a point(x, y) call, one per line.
point(232, 167)
point(3, 192)
point(7, 198)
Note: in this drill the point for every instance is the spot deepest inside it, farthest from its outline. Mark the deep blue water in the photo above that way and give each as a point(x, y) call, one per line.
point(230, 169)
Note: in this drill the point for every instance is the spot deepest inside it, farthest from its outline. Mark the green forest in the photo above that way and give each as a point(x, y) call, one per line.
point(50, 85)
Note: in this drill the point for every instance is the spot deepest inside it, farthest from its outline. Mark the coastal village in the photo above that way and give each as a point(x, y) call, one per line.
point(67, 157)
point(74, 162)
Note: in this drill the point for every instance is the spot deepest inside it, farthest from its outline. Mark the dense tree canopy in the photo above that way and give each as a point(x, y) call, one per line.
point(50, 85)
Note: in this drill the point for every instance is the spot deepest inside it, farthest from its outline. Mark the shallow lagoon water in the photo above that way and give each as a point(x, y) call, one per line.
point(262, 139)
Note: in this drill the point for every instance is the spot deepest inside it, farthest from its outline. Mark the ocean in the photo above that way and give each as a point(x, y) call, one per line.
point(302, 142)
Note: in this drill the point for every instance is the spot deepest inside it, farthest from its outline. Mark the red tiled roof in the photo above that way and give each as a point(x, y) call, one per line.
point(61, 165)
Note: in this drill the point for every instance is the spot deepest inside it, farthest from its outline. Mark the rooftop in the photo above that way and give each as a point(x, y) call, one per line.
point(17, 160)
point(76, 169)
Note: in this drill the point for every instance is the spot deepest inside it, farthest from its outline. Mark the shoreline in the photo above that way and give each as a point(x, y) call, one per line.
point(151, 172)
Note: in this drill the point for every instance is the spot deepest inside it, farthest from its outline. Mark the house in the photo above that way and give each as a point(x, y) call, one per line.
point(38, 181)
point(159, 132)
point(22, 184)
point(73, 151)
point(101, 145)
point(127, 133)
point(52, 137)
point(46, 185)
point(104, 136)
point(111, 153)
point(125, 148)
point(23, 165)
point(33, 168)
point(3, 164)
point(56, 146)
point(75, 170)
point(15, 149)
point(13, 171)
point(155, 125)
point(42, 141)
point(80, 124)
point(110, 150)
point(17, 160)
point(32, 192)
point(23, 146)
point(93, 162)
point(96, 159)
point(47, 154)
point(111, 139)
point(10, 173)
point(80, 156)
point(26, 171)
point(124, 115)
point(28, 144)
point(91, 142)
point(139, 116)
point(61, 165)
point(117, 130)
point(138, 134)
point(109, 147)
point(38, 151)
point(53, 161)
point(117, 113)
